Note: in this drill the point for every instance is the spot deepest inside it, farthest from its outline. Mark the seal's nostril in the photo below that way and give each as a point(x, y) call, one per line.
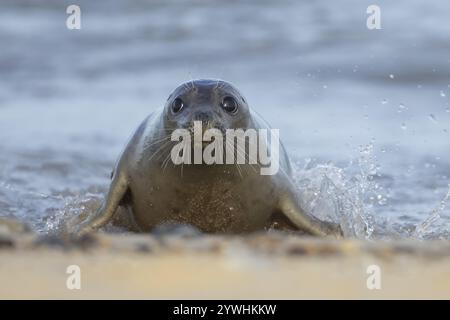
point(203, 116)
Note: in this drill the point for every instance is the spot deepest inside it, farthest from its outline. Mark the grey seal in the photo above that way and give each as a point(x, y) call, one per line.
point(215, 198)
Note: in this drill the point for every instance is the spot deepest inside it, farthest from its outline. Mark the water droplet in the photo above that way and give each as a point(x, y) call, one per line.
point(447, 110)
point(391, 76)
point(325, 86)
point(419, 86)
point(432, 117)
point(384, 101)
point(442, 93)
point(403, 126)
point(401, 108)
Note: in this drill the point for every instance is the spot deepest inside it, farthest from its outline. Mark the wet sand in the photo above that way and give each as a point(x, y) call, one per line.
point(260, 266)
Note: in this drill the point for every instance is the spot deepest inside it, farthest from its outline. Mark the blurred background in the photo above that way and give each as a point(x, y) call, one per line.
point(366, 109)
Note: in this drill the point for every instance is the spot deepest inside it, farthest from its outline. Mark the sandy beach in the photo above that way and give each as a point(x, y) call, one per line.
point(260, 266)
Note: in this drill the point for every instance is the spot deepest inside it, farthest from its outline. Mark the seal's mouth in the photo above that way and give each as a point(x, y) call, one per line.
point(197, 131)
point(205, 126)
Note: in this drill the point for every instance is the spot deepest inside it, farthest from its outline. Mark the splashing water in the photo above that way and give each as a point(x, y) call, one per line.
point(423, 228)
point(57, 208)
point(351, 194)
point(333, 193)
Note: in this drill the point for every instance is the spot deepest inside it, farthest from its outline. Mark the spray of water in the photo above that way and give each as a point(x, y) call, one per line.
point(423, 229)
point(333, 193)
point(351, 195)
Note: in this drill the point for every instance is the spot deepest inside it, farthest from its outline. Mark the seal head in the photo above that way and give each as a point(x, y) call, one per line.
point(216, 103)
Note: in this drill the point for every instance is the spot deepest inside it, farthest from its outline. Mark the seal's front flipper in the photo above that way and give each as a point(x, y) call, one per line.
point(290, 207)
point(117, 191)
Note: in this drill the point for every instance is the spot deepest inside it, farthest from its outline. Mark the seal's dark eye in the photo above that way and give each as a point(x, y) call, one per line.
point(230, 105)
point(177, 105)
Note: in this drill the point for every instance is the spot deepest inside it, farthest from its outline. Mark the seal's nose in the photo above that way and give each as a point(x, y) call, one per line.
point(203, 116)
